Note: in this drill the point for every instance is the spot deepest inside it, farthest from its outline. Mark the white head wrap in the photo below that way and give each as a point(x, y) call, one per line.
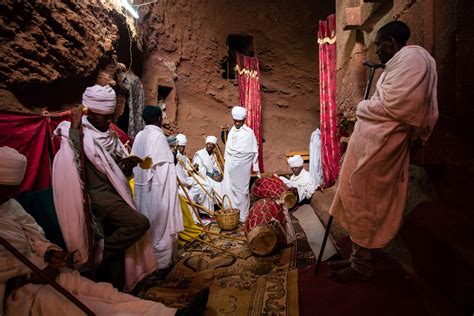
point(12, 166)
point(101, 100)
point(181, 140)
point(211, 139)
point(239, 113)
point(295, 161)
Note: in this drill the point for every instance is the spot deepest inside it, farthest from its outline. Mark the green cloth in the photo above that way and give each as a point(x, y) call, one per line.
point(40, 205)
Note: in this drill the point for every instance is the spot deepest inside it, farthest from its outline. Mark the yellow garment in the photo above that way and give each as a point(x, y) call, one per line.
point(132, 185)
point(190, 228)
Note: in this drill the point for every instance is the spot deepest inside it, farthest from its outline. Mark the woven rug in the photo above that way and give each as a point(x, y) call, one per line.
point(249, 285)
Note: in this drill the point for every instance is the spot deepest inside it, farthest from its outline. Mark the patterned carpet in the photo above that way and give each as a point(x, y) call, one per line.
point(238, 286)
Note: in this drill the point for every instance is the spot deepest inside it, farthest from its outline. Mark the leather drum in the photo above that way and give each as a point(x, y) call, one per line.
point(273, 187)
point(264, 227)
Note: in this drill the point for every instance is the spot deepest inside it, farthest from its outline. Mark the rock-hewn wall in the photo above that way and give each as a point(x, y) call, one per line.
point(440, 27)
point(185, 43)
point(51, 50)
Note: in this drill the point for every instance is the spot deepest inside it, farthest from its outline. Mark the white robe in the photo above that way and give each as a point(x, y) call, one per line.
point(208, 165)
point(315, 162)
point(21, 230)
point(241, 154)
point(156, 192)
point(100, 149)
point(303, 183)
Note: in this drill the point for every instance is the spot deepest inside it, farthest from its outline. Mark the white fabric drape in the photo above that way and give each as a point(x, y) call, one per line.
point(315, 162)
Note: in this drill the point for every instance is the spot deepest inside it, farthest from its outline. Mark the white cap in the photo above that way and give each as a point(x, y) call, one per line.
point(12, 166)
point(100, 99)
point(295, 161)
point(239, 113)
point(211, 139)
point(181, 140)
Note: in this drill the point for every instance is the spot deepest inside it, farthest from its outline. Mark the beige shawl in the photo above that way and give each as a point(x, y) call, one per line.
point(373, 183)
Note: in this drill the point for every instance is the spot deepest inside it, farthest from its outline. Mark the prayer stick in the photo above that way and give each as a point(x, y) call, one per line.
point(199, 183)
point(192, 206)
point(43, 275)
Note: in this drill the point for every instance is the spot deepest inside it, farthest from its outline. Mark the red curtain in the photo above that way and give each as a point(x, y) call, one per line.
point(248, 74)
point(31, 135)
point(327, 84)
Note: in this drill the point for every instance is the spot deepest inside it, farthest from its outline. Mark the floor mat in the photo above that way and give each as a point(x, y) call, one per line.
point(249, 286)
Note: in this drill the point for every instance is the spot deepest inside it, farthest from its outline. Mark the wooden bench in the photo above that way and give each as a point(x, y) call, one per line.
point(303, 154)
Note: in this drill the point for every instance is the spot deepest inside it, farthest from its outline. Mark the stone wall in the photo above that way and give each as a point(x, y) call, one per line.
point(52, 50)
point(439, 26)
point(185, 44)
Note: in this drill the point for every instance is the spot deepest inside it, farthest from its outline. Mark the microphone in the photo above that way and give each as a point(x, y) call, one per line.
point(372, 65)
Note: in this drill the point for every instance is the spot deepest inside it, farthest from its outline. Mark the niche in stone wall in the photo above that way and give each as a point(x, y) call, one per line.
point(236, 43)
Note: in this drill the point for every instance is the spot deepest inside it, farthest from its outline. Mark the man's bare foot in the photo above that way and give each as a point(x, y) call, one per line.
point(347, 275)
point(338, 265)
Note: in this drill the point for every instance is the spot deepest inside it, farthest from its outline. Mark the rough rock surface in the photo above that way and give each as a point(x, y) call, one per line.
point(51, 50)
point(185, 43)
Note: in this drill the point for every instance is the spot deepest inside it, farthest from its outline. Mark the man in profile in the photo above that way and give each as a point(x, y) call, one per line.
point(373, 183)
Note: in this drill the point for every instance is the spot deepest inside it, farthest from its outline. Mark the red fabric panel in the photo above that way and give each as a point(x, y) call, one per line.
point(248, 75)
point(328, 107)
point(31, 135)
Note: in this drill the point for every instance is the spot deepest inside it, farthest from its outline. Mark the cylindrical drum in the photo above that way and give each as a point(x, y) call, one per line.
point(273, 187)
point(264, 227)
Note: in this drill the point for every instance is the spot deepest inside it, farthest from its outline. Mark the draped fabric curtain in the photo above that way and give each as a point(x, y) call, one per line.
point(248, 75)
point(32, 136)
point(327, 86)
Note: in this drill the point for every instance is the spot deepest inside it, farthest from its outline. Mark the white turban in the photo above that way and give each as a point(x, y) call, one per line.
point(295, 161)
point(239, 113)
point(211, 139)
point(181, 140)
point(101, 100)
point(12, 166)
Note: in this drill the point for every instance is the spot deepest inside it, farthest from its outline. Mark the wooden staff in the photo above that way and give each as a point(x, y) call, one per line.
point(199, 183)
point(208, 212)
point(87, 211)
point(219, 159)
point(192, 206)
point(45, 277)
point(214, 246)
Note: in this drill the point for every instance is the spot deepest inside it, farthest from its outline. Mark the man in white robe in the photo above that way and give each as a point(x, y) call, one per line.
point(241, 155)
point(24, 292)
point(301, 180)
point(373, 182)
point(156, 189)
point(197, 185)
point(206, 162)
point(127, 250)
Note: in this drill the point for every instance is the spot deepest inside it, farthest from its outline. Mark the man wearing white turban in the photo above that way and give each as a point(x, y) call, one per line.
point(301, 179)
point(241, 156)
point(106, 182)
point(189, 175)
point(206, 162)
point(25, 293)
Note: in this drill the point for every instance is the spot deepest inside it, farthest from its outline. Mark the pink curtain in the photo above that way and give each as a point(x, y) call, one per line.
point(248, 74)
point(327, 85)
point(31, 135)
